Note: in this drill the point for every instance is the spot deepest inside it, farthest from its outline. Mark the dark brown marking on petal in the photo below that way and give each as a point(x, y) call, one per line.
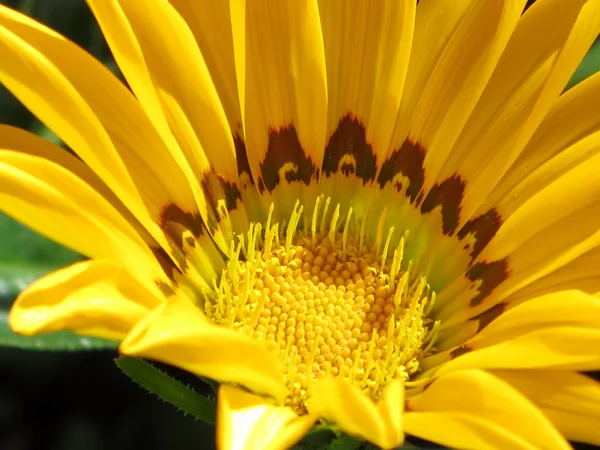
point(491, 275)
point(190, 241)
point(243, 166)
point(448, 195)
point(166, 289)
point(488, 316)
point(458, 351)
point(483, 228)
point(284, 148)
point(347, 169)
point(350, 138)
point(408, 160)
point(174, 221)
point(216, 189)
point(165, 261)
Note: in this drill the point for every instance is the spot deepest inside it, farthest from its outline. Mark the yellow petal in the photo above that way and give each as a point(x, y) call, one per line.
point(56, 203)
point(530, 247)
point(473, 409)
point(581, 274)
point(143, 38)
point(448, 72)
point(285, 97)
point(570, 400)
point(23, 141)
point(180, 335)
point(94, 298)
point(210, 22)
point(549, 42)
point(246, 421)
point(338, 401)
point(367, 47)
point(559, 330)
point(76, 97)
point(566, 137)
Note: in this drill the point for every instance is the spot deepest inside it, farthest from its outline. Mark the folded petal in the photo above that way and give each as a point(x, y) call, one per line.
point(338, 401)
point(560, 330)
point(570, 400)
point(180, 335)
point(94, 298)
point(246, 421)
point(473, 409)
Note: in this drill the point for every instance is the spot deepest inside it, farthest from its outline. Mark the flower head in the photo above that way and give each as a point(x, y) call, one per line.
point(379, 215)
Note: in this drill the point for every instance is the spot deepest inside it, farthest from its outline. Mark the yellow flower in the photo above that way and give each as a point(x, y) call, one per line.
point(381, 215)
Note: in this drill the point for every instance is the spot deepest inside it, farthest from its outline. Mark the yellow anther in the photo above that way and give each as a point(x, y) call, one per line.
point(324, 303)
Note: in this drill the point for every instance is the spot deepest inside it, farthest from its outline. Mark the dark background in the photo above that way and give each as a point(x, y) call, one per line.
point(80, 401)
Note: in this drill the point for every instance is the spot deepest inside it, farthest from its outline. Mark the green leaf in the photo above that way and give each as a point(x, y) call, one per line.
point(59, 341)
point(345, 442)
point(25, 256)
point(168, 389)
point(588, 67)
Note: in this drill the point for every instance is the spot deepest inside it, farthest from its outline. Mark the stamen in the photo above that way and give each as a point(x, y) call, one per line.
point(326, 302)
point(345, 233)
point(333, 225)
point(324, 216)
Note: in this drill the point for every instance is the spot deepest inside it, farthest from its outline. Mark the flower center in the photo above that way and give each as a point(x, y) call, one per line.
point(327, 302)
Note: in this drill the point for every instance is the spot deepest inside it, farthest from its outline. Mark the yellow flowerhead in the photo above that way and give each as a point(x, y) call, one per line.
point(379, 215)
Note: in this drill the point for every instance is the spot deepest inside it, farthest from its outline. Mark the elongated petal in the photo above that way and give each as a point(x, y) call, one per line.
point(210, 22)
point(54, 202)
point(448, 72)
point(560, 330)
point(76, 96)
point(367, 48)
point(525, 248)
point(283, 93)
point(473, 409)
point(338, 401)
point(179, 334)
point(567, 136)
point(28, 143)
point(248, 422)
point(546, 47)
point(95, 298)
point(570, 400)
point(143, 36)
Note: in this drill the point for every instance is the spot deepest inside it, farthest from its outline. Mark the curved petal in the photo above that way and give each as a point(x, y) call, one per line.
point(248, 422)
point(28, 143)
point(210, 22)
point(555, 331)
point(549, 42)
point(473, 409)
point(58, 204)
point(448, 71)
point(525, 248)
point(570, 400)
point(554, 148)
point(94, 298)
point(144, 37)
point(180, 335)
point(338, 401)
point(94, 113)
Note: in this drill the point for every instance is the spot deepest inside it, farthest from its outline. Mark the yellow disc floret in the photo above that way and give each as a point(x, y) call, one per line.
point(328, 303)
